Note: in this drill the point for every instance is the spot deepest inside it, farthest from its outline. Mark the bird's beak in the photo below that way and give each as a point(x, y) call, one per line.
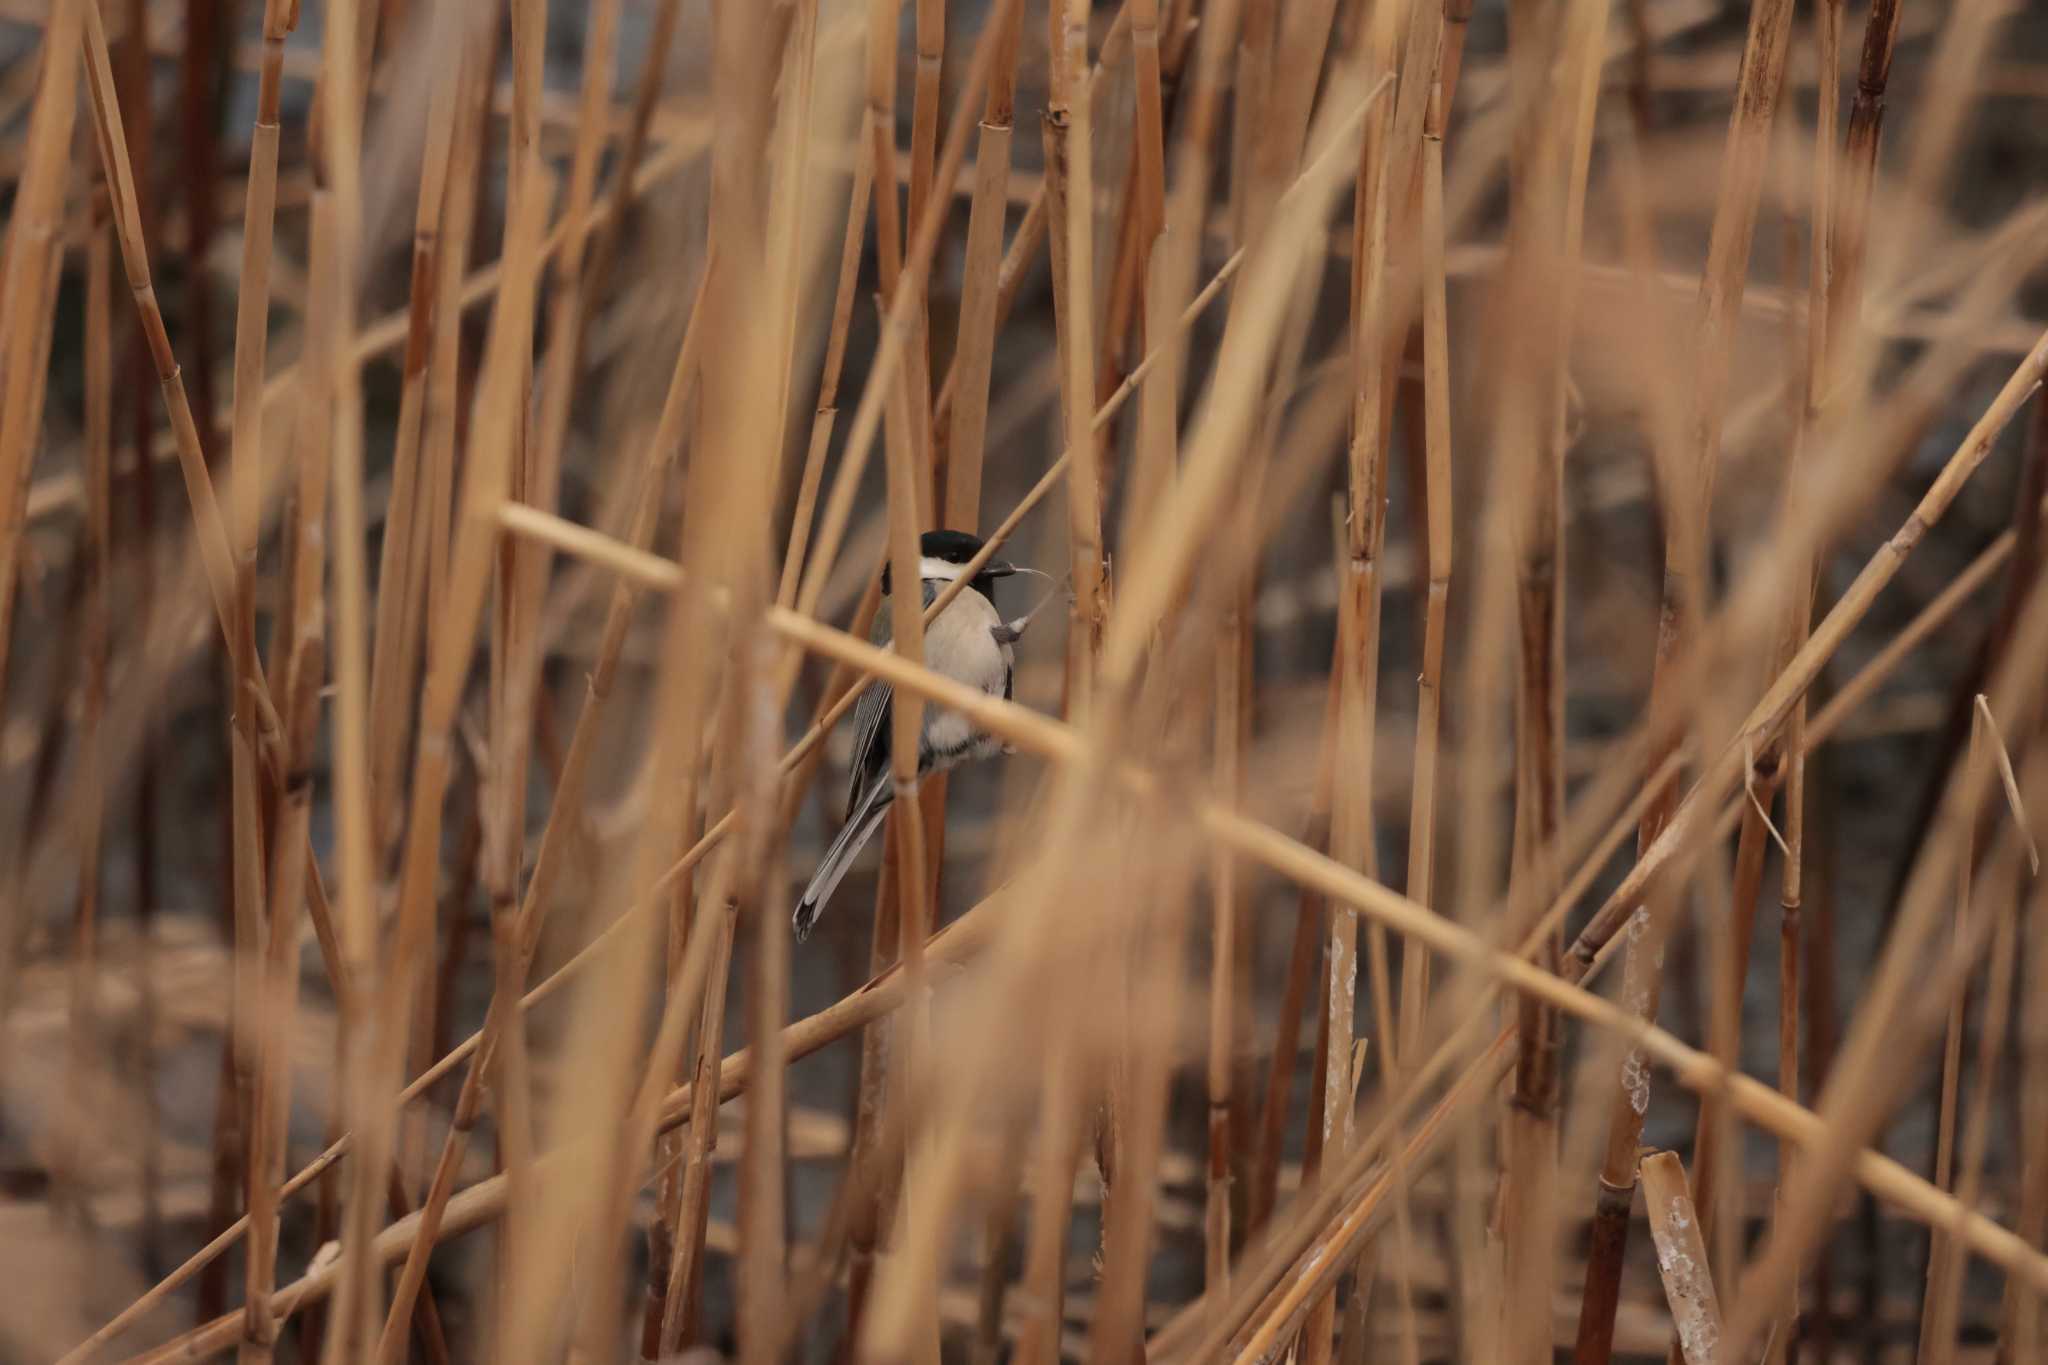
point(998, 568)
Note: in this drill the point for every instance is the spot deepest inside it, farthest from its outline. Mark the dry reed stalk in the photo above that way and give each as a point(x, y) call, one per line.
point(686, 1271)
point(519, 572)
point(593, 119)
point(1558, 88)
point(929, 35)
point(1675, 1227)
point(202, 80)
point(1436, 388)
point(762, 1173)
point(603, 254)
point(272, 1090)
point(662, 1227)
point(732, 476)
point(880, 136)
point(294, 868)
point(1229, 695)
point(402, 566)
point(210, 531)
point(1051, 1179)
point(974, 353)
point(1149, 213)
point(1716, 1153)
point(252, 316)
point(1687, 532)
point(1175, 261)
point(1252, 85)
point(1820, 331)
point(600, 1309)
point(33, 260)
point(96, 572)
point(354, 1314)
point(1301, 964)
point(788, 213)
point(898, 326)
point(1358, 633)
point(1713, 1137)
point(1939, 1317)
point(875, 1163)
point(1071, 187)
point(1018, 260)
point(826, 415)
point(2019, 1326)
point(1934, 1333)
point(1118, 1330)
point(1859, 169)
point(908, 1044)
point(514, 658)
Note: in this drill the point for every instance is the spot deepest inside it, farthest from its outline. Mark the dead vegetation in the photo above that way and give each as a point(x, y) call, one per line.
point(1469, 436)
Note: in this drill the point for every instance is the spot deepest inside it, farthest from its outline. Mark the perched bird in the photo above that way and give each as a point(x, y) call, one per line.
point(970, 642)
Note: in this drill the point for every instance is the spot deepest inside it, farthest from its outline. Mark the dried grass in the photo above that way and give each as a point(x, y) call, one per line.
point(1089, 998)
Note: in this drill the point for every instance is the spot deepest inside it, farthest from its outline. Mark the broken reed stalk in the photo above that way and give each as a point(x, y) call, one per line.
point(1675, 1227)
point(1859, 172)
point(1685, 585)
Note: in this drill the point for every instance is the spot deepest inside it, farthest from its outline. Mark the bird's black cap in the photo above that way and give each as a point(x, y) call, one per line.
point(954, 547)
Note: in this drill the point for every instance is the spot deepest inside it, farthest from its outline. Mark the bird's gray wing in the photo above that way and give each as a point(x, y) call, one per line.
point(871, 734)
point(870, 739)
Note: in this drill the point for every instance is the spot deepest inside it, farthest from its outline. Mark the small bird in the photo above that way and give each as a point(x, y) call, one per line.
point(970, 642)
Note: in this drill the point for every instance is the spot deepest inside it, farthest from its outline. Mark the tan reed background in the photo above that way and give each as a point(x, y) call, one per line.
point(1463, 435)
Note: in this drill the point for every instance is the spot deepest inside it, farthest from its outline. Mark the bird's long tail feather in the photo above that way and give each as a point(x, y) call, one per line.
point(861, 824)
